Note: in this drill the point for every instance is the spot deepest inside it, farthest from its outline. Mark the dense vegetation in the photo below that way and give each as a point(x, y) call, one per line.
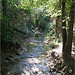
point(52, 18)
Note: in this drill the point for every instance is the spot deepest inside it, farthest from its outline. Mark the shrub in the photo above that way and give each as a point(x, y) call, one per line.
point(53, 45)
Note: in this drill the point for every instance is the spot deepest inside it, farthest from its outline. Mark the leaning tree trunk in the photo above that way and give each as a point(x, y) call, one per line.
point(68, 46)
point(64, 34)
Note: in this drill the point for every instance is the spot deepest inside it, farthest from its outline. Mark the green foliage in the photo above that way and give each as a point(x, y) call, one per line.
point(53, 45)
point(0, 10)
point(50, 30)
point(54, 8)
point(25, 15)
point(16, 17)
point(43, 19)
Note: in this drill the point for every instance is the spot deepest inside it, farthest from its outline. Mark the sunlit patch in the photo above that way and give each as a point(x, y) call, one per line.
point(22, 74)
point(33, 60)
point(33, 43)
point(8, 73)
point(35, 69)
point(59, 49)
point(25, 72)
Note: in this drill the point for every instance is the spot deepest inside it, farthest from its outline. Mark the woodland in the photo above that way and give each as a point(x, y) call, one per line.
point(37, 37)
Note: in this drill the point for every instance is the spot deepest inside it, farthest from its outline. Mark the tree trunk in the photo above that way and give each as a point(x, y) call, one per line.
point(63, 25)
point(68, 46)
point(57, 27)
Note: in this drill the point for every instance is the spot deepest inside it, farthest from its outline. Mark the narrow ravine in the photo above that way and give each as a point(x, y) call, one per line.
point(31, 61)
point(35, 58)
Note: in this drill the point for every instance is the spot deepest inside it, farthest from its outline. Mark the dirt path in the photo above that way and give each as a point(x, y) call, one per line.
point(58, 49)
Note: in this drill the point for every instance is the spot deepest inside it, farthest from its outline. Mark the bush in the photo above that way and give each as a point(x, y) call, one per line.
point(53, 45)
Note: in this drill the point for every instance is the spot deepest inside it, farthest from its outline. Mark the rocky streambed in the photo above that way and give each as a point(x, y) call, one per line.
point(34, 58)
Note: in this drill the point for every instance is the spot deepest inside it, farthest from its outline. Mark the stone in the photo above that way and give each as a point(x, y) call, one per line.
point(35, 69)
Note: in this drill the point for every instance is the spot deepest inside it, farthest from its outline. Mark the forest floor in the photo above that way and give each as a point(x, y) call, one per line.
point(55, 55)
point(59, 49)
